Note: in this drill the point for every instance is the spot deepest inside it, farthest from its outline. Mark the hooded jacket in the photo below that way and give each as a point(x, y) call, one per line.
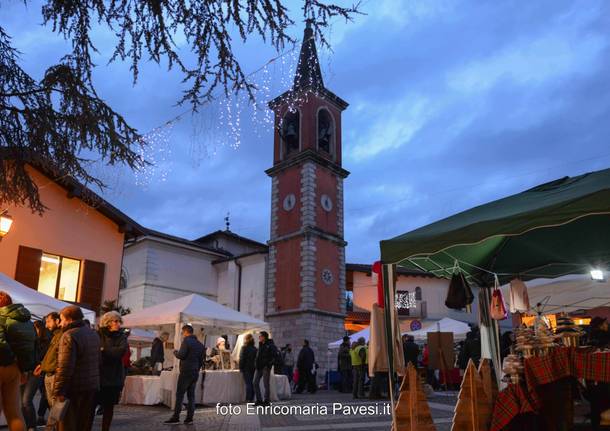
point(17, 337)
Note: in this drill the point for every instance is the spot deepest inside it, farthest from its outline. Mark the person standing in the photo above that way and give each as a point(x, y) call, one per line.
point(247, 365)
point(48, 366)
point(288, 359)
point(17, 357)
point(33, 380)
point(113, 345)
point(305, 363)
point(77, 377)
point(359, 368)
point(264, 362)
point(157, 355)
point(191, 359)
point(44, 340)
point(345, 364)
point(410, 350)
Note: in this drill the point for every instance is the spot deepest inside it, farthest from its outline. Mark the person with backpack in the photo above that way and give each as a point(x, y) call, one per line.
point(17, 357)
point(265, 359)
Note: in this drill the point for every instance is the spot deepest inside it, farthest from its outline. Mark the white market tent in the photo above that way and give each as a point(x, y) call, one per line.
point(366, 333)
point(196, 310)
point(38, 303)
point(567, 293)
point(459, 329)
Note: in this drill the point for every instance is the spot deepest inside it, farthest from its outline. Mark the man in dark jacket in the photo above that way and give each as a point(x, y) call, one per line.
point(17, 356)
point(264, 362)
point(157, 356)
point(77, 377)
point(410, 350)
point(191, 359)
point(345, 364)
point(305, 363)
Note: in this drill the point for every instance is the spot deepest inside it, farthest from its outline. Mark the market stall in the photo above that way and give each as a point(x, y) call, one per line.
point(38, 303)
point(552, 230)
point(208, 319)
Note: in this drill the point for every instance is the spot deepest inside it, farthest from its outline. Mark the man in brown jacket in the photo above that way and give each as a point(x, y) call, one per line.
point(48, 366)
point(78, 370)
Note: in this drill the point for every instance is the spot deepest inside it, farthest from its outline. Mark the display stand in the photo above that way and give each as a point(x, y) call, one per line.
point(472, 411)
point(490, 385)
point(412, 410)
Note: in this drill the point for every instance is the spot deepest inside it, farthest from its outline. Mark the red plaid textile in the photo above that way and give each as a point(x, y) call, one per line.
point(592, 365)
point(541, 370)
point(511, 402)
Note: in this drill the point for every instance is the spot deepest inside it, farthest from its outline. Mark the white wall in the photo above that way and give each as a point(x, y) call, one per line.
point(252, 300)
point(158, 272)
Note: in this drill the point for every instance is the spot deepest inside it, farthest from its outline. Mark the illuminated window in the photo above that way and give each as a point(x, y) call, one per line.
point(59, 277)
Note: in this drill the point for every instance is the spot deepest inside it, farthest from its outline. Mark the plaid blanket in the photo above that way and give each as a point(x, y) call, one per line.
point(512, 401)
point(541, 370)
point(592, 365)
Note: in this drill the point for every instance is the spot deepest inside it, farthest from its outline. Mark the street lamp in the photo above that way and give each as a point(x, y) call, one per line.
point(5, 224)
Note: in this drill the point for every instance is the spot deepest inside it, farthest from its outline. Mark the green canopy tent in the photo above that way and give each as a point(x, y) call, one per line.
point(558, 228)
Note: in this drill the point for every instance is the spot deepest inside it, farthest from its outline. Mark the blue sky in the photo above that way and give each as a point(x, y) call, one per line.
point(452, 104)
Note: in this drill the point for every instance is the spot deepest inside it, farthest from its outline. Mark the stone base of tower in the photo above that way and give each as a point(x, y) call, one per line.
point(319, 328)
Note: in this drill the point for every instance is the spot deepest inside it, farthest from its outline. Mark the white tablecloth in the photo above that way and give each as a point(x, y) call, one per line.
point(142, 390)
point(221, 387)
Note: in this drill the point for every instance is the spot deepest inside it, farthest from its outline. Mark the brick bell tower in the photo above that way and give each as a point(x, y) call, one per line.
point(306, 271)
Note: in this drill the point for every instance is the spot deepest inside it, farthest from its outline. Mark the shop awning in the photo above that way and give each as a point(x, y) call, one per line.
point(558, 228)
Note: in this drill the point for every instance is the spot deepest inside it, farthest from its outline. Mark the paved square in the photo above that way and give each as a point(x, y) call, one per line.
point(142, 418)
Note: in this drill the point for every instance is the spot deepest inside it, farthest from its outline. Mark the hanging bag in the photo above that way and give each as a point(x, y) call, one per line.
point(459, 294)
point(497, 309)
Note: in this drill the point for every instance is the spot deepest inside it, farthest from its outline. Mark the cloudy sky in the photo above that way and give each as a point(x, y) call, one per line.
point(452, 104)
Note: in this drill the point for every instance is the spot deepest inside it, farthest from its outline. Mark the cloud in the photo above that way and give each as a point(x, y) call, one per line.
point(452, 105)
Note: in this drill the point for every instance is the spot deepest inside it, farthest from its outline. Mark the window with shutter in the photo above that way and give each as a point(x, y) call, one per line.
point(92, 285)
point(28, 266)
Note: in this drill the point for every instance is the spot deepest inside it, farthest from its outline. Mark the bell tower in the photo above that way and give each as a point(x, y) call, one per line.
point(306, 271)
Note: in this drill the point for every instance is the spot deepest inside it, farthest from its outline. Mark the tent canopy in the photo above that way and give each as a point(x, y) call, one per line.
point(194, 309)
point(568, 293)
point(558, 228)
point(366, 333)
point(459, 329)
point(38, 303)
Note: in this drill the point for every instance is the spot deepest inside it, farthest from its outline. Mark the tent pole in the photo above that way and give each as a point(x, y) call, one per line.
point(177, 340)
point(387, 272)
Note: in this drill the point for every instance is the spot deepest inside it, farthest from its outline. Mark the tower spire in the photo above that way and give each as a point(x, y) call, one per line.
point(308, 73)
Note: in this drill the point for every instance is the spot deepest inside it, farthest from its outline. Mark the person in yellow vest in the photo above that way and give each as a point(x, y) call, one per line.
point(359, 363)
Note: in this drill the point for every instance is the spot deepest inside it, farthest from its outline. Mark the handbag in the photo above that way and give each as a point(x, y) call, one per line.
point(459, 294)
point(497, 308)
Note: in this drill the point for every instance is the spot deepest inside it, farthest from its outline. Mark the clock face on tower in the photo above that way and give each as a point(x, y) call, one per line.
point(326, 202)
point(289, 202)
point(327, 276)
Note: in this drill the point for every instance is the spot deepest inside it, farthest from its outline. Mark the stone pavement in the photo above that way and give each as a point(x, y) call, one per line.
point(291, 415)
